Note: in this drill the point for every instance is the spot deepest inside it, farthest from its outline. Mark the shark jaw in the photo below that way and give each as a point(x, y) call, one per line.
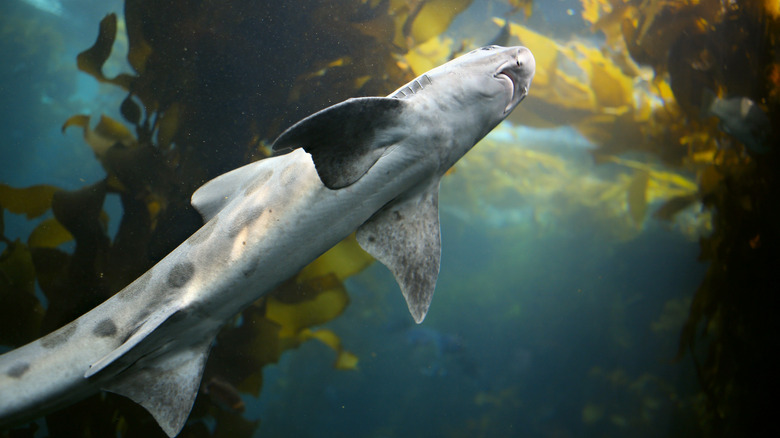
point(514, 73)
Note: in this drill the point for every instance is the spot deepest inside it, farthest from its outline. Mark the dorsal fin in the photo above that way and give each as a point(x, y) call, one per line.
point(213, 196)
point(405, 237)
point(346, 139)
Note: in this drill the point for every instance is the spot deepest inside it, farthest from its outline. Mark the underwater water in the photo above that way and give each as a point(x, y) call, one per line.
point(576, 295)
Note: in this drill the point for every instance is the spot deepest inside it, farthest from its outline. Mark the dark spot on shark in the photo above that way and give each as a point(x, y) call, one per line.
point(181, 274)
point(135, 288)
point(203, 233)
point(257, 183)
point(244, 219)
point(60, 336)
point(18, 370)
point(105, 328)
point(248, 272)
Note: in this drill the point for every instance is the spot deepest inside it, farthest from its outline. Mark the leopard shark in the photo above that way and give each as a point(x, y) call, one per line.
point(370, 165)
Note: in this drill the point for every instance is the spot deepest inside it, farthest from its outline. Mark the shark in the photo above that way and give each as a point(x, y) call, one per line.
point(369, 165)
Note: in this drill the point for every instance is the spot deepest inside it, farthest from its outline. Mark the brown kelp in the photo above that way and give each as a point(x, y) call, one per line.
point(209, 84)
point(659, 84)
point(729, 50)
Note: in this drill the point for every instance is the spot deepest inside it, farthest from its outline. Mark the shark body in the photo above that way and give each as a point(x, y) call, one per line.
point(367, 164)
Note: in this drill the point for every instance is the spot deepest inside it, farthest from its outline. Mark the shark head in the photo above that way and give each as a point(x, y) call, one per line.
point(477, 90)
point(500, 76)
point(492, 75)
point(469, 95)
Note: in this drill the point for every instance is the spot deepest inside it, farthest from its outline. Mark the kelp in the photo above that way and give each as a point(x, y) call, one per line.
point(210, 85)
point(728, 49)
point(510, 181)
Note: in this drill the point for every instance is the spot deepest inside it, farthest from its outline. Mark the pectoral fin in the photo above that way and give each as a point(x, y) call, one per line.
point(405, 237)
point(346, 139)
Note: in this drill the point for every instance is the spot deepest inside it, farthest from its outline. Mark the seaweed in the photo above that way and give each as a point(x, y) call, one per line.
point(730, 50)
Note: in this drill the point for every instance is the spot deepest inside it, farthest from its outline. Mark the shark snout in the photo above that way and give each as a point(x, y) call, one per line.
point(526, 66)
point(520, 69)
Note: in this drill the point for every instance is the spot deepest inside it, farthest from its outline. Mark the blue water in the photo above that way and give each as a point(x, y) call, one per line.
point(537, 320)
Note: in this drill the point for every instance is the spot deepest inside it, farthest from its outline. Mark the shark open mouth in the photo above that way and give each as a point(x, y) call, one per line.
point(504, 74)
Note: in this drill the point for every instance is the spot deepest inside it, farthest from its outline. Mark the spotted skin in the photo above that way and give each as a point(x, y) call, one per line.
point(59, 337)
point(18, 370)
point(181, 274)
point(105, 328)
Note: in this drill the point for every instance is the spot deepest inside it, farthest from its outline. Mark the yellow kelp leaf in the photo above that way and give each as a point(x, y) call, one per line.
point(611, 87)
point(591, 10)
point(663, 89)
point(31, 201)
point(525, 5)
point(659, 175)
point(426, 56)
point(80, 120)
point(607, 16)
point(435, 17)
point(344, 260)
point(344, 360)
point(114, 130)
point(49, 234)
point(772, 8)
point(360, 81)
point(636, 197)
point(325, 336)
point(169, 124)
point(107, 133)
point(91, 60)
point(293, 317)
